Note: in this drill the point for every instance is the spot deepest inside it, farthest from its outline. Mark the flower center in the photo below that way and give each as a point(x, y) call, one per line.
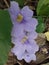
point(19, 18)
point(24, 39)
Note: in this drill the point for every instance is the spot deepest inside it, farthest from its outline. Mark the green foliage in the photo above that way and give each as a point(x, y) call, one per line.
point(41, 25)
point(21, 2)
point(5, 42)
point(43, 7)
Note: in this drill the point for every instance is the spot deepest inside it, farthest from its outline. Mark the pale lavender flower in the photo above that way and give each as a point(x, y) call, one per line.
point(23, 32)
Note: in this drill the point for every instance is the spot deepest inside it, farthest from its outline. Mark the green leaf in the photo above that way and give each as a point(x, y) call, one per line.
point(40, 28)
point(41, 25)
point(4, 51)
point(5, 38)
point(43, 7)
point(21, 2)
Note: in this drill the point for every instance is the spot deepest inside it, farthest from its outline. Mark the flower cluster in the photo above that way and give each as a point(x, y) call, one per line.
point(23, 32)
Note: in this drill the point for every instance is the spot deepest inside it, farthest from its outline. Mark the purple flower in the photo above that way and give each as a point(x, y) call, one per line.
point(23, 32)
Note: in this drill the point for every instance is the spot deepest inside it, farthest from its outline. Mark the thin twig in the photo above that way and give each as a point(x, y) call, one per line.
point(6, 3)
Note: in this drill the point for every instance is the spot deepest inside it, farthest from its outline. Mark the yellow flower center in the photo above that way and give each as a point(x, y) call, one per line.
point(24, 39)
point(19, 18)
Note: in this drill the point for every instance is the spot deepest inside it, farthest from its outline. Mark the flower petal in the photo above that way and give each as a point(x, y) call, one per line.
point(47, 35)
point(17, 31)
point(26, 12)
point(33, 57)
point(34, 45)
point(33, 35)
point(13, 11)
point(14, 8)
point(16, 41)
point(28, 57)
point(31, 24)
point(34, 22)
point(18, 50)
